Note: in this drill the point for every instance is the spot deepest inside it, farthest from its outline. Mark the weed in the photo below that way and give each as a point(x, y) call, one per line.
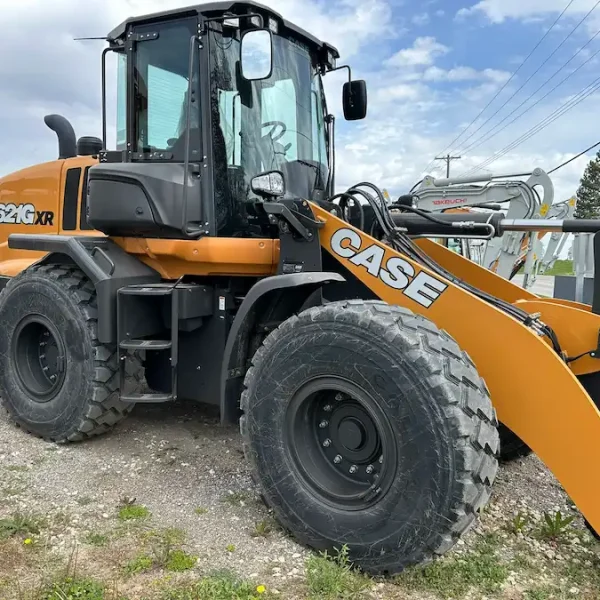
point(140, 564)
point(72, 588)
point(540, 593)
point(180, 561)
point(221, 586)
point(201, 510)
point(454, 577)
point(331, 577)
point(20, 524)
point(554, 526)
point(230, 548)
point(236, 498)
point(162, 544)
point(17, 468)
point(262, 529)
point(131, 512)
point(96, 539)
point(518, 523)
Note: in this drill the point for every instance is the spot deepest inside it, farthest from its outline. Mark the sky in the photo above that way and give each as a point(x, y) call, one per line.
point(431, 67)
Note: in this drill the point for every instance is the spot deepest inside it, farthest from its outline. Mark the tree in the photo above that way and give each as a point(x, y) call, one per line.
point(588, 194)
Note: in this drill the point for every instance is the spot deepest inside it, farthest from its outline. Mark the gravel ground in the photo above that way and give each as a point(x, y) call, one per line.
point(191, 475)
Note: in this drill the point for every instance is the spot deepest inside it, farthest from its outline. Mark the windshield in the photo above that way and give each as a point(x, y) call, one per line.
point(275, 123)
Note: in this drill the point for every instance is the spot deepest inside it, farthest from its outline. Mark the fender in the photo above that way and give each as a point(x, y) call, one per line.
point(272, 299)
point(107, 265)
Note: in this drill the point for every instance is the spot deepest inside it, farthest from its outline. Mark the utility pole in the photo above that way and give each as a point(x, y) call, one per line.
point(448, 159)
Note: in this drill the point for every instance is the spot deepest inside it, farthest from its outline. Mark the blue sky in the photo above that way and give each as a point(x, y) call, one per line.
point(431, 66)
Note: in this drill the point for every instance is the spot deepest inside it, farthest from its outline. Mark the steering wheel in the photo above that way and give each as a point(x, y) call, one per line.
point(274, 125)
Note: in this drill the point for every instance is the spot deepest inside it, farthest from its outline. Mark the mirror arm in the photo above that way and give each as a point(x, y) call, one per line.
point(340, 68)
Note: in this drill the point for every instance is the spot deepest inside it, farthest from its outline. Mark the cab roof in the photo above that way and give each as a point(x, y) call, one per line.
point(216, 9)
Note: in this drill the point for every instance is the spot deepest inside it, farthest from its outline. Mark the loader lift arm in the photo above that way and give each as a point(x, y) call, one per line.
point(547, 407)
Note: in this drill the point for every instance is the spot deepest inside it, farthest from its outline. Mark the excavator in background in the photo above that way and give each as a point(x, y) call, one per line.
point(372, 372)
point(529, 199)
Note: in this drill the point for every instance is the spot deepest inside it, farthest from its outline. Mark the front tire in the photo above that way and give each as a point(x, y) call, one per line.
point(367, 426)
point(56, 380)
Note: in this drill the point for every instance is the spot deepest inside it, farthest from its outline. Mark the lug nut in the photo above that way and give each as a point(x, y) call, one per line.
point(353, 469)
point(339, 397)
point(323, 424)
point(369, 469)
point(327, 443)
point(337, 460)
point(328, 408)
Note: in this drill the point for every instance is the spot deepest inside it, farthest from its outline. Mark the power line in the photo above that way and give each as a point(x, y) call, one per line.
point(484, 139)
point(505, 84)
point(448, 159)
point(574, 158)
point(559, 112)
point(534, 73)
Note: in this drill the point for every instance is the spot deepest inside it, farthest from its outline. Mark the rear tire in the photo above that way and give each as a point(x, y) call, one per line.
point(336, 387)
point(56, 380)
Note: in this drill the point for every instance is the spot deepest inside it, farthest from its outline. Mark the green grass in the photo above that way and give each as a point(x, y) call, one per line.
point(20, 524)
point(74, 589)
point(561, 267)
point(332, 577)
point(96, 539)
point(140, 564)
point(201, 510)
point(454, 577)
point(262, 528)
point(236, 498)
point(17, 468)
point(132, 512)
point(179, 561)
point(222, 586)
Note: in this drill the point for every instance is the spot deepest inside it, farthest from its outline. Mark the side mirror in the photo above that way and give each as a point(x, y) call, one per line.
point(256, 54)
point(355, 100)
point(269, 185)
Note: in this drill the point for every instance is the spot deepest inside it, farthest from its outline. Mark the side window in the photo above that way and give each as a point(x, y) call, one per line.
point(167, 94)
point(161, 72)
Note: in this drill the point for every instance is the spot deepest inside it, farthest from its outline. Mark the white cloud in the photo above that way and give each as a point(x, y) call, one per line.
point(464, 74)
point(439, 13)
point(424, 51)
point(420, 19)
point(498, 11)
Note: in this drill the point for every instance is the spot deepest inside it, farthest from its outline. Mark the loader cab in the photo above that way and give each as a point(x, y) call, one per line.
point(196, 124)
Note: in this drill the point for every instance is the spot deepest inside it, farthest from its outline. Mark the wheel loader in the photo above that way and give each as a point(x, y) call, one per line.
point(368, 366)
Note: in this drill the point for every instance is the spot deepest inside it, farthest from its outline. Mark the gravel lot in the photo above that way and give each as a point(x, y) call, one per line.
point(190, 474)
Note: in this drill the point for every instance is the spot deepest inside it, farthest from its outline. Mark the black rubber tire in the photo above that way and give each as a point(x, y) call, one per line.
point(87, 401)
point(512, 447)
point(444, 427)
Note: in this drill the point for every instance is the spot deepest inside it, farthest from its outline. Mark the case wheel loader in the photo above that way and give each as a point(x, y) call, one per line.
point(367, 366)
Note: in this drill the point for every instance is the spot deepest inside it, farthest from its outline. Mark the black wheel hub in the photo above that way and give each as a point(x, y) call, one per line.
point(339, 437)
point(39, 353)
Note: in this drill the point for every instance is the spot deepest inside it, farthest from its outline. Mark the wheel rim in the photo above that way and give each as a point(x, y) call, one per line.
point(341, 443)
point(38, 353)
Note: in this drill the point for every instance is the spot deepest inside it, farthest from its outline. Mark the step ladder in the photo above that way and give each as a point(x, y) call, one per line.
point(139, 312)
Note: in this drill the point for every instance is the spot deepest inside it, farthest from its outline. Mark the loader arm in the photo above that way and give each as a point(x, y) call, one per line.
point(545, 404)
